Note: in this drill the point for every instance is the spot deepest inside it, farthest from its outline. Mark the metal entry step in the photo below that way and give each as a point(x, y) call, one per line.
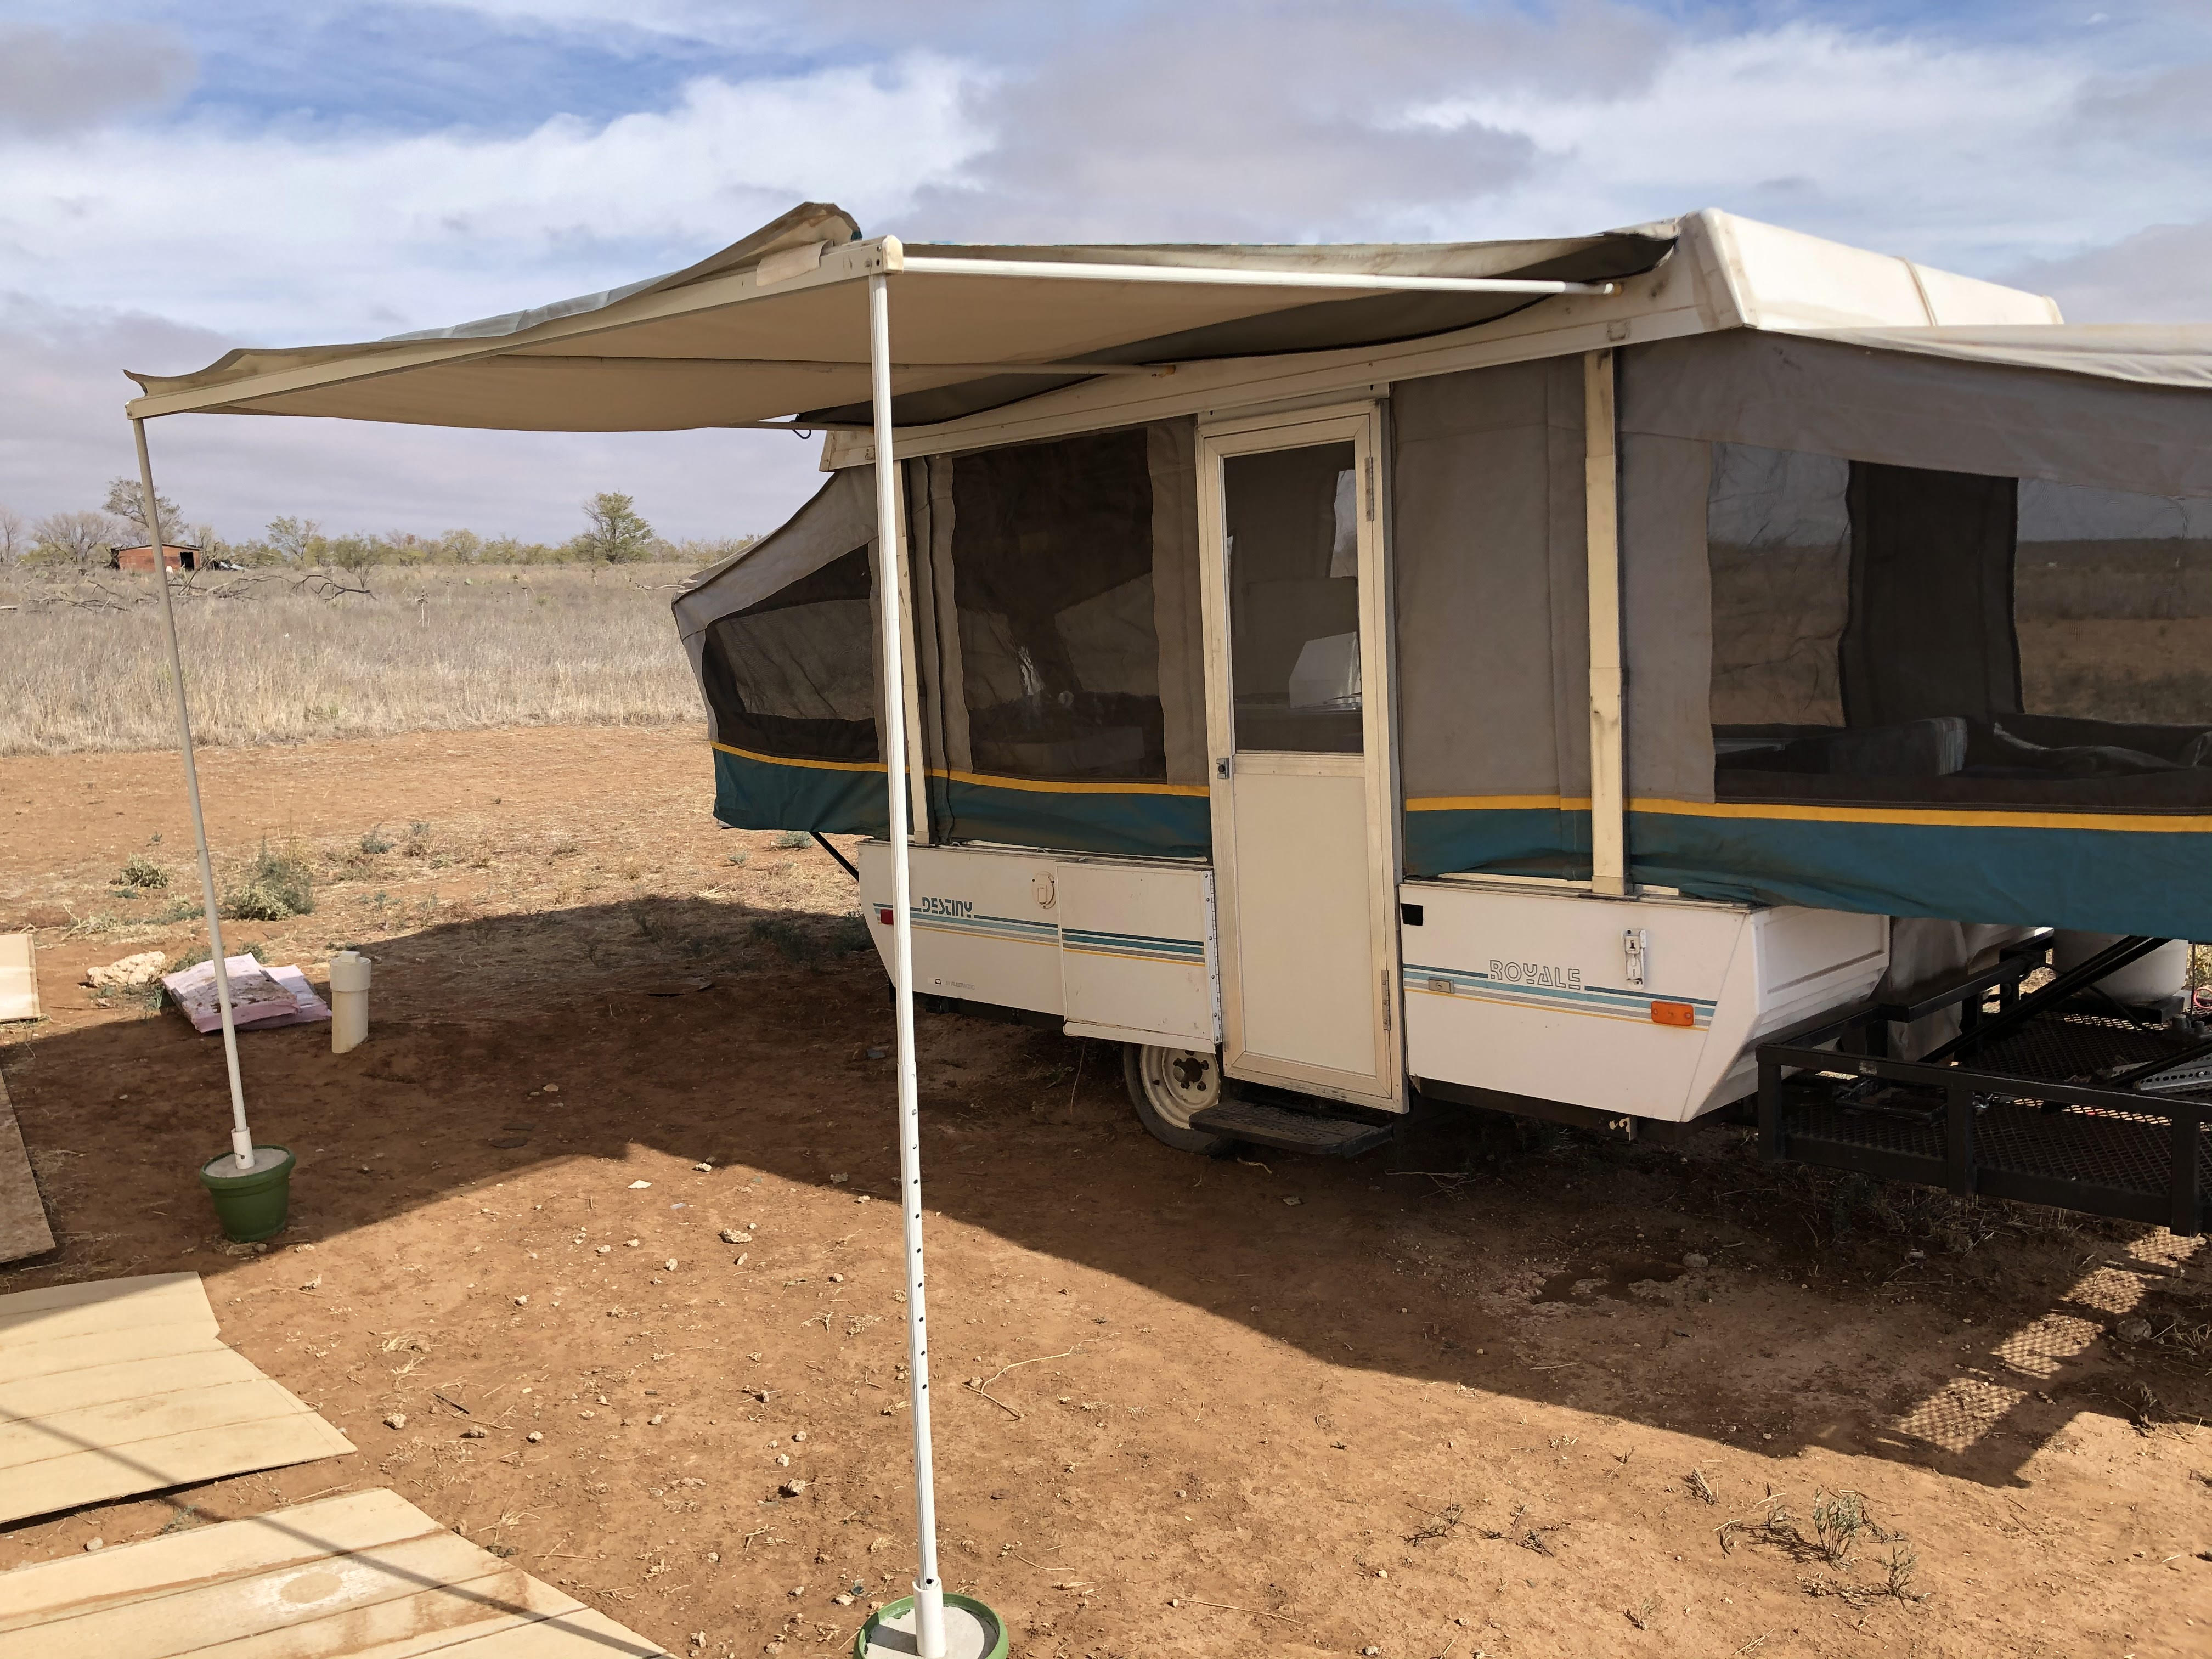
point(1291, 1132)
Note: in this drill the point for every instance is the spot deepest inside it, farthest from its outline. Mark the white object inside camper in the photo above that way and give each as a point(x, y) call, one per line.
point(1327, 675)
point(349, 1000)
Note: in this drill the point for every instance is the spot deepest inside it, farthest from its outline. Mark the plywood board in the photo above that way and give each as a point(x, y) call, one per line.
point(121, 1386)
point(19, 977)
point(23, 1229)
point(366, 1575)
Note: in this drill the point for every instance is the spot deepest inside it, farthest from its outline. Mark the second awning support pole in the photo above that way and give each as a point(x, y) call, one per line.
point(928, 1589)
point(241, 1138)
point(1607, 671)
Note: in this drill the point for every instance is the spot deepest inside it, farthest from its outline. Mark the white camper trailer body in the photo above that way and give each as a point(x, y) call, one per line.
point(1527, 991)
point(1534, 673)
point(1345, 981)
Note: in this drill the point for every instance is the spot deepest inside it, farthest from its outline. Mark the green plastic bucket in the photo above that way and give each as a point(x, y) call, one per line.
point(252, 1204)
point(980, 1634)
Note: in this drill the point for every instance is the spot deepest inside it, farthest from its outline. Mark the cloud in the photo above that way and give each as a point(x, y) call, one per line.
point(53, 81)
point(2036, 152)
point(2156, 275)
point(62, 436)
point(1965, 155)
point(1278, 121)
point(286, 236)
point(2167, 103)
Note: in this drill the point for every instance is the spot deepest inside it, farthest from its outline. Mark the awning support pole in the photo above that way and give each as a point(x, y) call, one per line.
point(241, 1138)
point(1608, 673)
point(928, 1589)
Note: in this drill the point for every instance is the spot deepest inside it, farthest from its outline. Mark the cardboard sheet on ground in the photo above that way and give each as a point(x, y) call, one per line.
point(365, 1573)
point(19, 977)
point(23, 1229)
point(260, 998)
point(121, 1386)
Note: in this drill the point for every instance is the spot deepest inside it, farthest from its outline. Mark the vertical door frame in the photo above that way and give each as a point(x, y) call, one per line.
point(918, 829)
point(1361, 422)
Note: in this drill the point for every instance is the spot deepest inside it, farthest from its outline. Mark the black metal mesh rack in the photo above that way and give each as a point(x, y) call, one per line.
point(2040, 1111)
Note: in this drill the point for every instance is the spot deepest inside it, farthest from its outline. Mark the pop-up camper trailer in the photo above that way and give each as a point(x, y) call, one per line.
point(1608, 677)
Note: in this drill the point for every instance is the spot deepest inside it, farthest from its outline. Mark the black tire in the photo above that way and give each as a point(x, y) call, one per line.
point(1166, 1085)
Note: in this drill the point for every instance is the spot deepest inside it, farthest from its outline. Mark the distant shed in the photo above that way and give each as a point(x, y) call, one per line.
point(142, 558)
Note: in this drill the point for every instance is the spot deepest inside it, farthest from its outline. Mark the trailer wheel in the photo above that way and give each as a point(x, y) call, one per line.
point(1166, 1085)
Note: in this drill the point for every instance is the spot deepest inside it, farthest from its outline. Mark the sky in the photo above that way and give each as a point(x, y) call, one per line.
point(179, 177)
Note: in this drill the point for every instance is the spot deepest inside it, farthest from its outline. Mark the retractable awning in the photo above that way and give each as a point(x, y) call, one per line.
point(776, 325)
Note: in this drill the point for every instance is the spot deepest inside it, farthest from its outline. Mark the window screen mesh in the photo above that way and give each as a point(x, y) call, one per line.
point(1889, 633)
point(1052, 567)
point(794, 674)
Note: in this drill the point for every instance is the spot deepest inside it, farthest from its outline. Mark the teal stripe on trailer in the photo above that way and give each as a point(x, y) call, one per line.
point(2110, 880)
point(755, 794)
point(1142, 825)
point(1027, 932)
point(1518, 841)
point(1185, 949)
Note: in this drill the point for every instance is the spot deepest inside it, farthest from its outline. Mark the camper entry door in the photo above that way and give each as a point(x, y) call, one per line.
point(1297, 685)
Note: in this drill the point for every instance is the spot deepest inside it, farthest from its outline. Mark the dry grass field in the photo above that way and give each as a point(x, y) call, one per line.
point(283, 656)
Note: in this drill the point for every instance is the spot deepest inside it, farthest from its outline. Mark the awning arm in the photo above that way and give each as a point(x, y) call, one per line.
point(1345, 283)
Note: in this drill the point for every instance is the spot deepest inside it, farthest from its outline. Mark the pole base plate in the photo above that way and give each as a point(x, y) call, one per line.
point(972, 1631)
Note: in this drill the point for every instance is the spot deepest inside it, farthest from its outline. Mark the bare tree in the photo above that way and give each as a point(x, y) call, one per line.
point(126, 500)
point(296, 541)
point(81, 539)
point(14, 535)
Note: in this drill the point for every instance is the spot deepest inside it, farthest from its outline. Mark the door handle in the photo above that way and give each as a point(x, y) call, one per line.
point(1221, 768)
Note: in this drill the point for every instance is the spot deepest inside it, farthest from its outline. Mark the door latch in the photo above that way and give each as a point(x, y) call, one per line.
point(1221, 767)
point(1385, 975)
point(1633, 948)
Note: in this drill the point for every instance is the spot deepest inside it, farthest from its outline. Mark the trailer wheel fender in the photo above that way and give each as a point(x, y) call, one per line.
point(1166, 1086)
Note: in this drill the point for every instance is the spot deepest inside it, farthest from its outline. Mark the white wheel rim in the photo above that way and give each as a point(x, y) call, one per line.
point(1180, 1082)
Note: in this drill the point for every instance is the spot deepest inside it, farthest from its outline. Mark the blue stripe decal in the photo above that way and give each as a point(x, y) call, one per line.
point(1006, 928)
point(1599, 999)
point(1142, 946)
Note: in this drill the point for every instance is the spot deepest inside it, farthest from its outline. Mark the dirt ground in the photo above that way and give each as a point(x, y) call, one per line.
point(1496, 1389)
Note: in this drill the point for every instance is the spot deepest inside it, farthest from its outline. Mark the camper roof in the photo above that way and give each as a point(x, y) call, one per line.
point(772, 328)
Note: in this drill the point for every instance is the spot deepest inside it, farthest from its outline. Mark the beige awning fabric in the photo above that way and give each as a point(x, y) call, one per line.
point(774, 325)
point(2149, 354)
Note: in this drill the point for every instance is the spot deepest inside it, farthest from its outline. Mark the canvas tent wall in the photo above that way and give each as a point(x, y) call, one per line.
point(1056, 651)
point(1909, 631)
point(1940, 620)
point(1921, 632)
